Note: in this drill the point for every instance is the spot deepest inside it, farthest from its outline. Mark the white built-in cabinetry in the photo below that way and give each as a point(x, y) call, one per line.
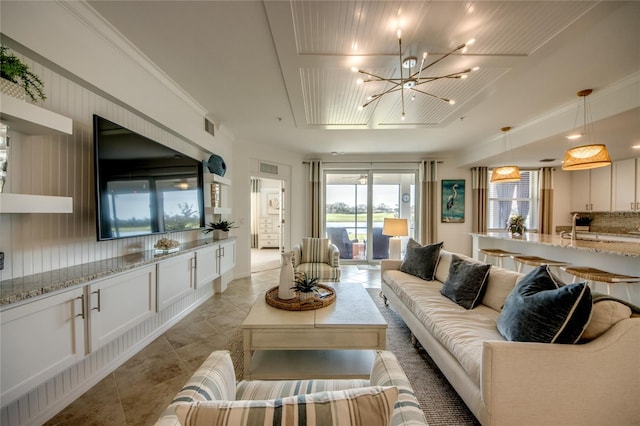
point(118, 303)
point(43, 337)
point(39, 339)
point(269, 232)
point(591, 190)
point(30, 119)
point(626, 185)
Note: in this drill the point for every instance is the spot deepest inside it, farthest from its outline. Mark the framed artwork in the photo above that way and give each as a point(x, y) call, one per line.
point(453, 195)
point(273, 203)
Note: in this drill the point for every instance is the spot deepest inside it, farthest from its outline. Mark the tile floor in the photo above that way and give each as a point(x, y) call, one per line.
point(139, 390)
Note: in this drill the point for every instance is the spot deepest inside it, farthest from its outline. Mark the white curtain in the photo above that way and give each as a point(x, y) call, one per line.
point(429, 202)
point(255, 211)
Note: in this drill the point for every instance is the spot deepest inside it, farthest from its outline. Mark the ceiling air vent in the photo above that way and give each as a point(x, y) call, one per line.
point(269, 168)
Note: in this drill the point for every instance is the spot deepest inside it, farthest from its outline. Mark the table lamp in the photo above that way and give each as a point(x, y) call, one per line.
point(395, 228)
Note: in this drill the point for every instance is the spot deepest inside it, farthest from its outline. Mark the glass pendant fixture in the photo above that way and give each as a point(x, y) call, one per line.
point(505, 173)
point(587, 156)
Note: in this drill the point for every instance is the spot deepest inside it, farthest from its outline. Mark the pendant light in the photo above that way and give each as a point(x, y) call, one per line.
point(587, 156)
point(505, 173)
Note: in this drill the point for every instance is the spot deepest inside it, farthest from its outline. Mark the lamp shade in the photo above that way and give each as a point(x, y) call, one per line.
point(586, 157)
point(505, 174)
point(395, 227)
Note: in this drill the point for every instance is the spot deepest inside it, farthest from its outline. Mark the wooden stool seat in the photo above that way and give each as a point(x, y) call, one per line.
point(594, 275)
point(521, 260)
point(499, 253)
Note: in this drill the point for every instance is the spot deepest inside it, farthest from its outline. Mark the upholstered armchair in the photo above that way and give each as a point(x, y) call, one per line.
point(318, 258)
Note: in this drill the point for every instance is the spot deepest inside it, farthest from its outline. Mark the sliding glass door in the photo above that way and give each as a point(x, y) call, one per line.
point(358, 201)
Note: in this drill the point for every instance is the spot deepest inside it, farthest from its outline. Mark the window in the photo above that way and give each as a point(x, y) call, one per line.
point(513, 198)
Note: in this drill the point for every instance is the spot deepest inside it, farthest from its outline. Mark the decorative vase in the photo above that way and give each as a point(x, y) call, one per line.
point(219, 234)
point(287, 277)
point(306, 297)
point(12, 89)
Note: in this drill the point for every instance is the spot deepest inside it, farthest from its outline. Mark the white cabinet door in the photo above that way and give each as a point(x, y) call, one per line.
point(624, 185)
point(600, 192)
point(176, 279)
point(39, 340)
point(580, 201)
point(227, 256)
point(119, 303)
point(206, 265)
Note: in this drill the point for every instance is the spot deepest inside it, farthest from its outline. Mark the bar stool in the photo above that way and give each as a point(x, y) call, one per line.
point(498, 253)
point(521, 260)
point(593, 275)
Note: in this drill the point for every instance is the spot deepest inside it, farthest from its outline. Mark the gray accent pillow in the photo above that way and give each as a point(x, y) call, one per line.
point(542, 309)
point(421, 261)
point(466, 282)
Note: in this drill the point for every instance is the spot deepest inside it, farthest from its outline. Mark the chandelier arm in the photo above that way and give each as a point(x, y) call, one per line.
point(381, 94)
point(442, 57)
point(432, 95)
point(375, 76)
point(401, 78)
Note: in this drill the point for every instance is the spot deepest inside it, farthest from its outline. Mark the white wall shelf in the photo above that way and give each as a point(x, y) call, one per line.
point(25, 203)
point(31, 119)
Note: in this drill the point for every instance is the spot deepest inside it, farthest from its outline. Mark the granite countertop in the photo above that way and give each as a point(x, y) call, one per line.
point(621, 248)
point(22, 288)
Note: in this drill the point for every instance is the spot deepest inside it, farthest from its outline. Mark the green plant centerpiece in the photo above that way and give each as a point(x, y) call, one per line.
point(306, 286)
point(515, 225)
point(220, 229)
point(14, 70)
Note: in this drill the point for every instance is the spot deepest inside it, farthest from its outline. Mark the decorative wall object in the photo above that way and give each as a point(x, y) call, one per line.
point(453, 195)
point(273, 203)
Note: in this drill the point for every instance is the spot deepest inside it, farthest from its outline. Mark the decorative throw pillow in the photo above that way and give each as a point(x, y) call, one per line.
point(315, 250)
point(605, 314)
point(421, 261)
point(368, 406)
point(542, 309)
point(466, 282)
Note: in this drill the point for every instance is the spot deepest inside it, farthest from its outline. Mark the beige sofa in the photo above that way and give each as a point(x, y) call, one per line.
point(509, 383)
point(212, 396)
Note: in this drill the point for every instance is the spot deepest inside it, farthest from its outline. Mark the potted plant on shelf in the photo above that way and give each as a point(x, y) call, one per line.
point(220, 229)
point(16, 79)
point(305, 286)
point(515, 225)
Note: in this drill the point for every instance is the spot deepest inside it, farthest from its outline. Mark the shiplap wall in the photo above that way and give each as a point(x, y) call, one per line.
point(63, 166)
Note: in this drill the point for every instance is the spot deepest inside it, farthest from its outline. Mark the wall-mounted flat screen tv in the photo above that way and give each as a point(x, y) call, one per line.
point(142, 186)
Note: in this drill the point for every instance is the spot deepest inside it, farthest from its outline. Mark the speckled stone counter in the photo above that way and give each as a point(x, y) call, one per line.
point(621, 248)
point(30, 286)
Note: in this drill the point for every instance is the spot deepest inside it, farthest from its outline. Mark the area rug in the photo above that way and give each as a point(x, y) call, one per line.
point(438, 400)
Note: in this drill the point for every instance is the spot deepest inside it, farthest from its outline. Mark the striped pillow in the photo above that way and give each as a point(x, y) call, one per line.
point(369, 406)
point(315, 250)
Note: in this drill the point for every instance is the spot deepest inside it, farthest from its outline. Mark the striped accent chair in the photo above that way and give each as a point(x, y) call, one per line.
point(386, 398)
point(318, 258)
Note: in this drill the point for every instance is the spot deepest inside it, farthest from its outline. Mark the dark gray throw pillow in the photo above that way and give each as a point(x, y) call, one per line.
point(542, 309)
point(466, 282)
point(420, 260)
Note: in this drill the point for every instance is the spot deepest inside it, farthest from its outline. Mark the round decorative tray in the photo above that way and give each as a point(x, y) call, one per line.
point(327, 297)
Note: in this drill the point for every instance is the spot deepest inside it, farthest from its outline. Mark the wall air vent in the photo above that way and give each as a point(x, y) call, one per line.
point(209, 126)
point(269, 168)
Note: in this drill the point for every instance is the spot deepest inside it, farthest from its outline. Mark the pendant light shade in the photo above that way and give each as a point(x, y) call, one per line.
point(586, 156)
point(505, 173)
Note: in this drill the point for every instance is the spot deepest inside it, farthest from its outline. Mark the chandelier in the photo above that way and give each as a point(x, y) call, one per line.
point(587, 156)
point(414, 78)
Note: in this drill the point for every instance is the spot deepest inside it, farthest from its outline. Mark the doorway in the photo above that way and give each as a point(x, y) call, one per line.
point(268, 215)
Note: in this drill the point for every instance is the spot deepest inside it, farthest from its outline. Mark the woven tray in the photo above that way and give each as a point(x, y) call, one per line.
point(295, 305)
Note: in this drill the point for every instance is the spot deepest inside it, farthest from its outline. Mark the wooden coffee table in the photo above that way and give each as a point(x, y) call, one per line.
point(338, 341)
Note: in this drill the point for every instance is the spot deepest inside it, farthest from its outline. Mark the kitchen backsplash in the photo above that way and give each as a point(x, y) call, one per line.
point(611, 222)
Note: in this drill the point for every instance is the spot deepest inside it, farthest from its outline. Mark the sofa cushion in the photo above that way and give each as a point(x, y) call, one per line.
point(315, 250)
point(542, 309)
point(466, 282)
point(367, 406)
point(606, 313)
point(421, 261)
point(500, 283)
point(271, 389)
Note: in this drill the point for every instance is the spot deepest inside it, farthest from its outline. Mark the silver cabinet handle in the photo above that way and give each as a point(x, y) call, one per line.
point(97, 308)
point(81, 314)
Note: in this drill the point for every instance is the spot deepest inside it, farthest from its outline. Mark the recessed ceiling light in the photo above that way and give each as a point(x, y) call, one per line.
point(636, 146)
point(547, 160)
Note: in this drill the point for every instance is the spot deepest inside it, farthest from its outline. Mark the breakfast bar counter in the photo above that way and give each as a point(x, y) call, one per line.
point(622, 257)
